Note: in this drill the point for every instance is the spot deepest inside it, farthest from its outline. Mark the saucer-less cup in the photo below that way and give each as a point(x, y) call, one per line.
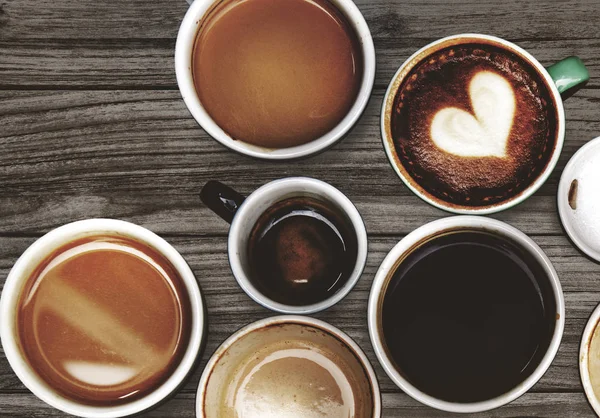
point(183, 68)
point(45, 246)
point(405, 247)
point(589, 360)
point(562, 78)
point(243, 213)
point(578, 199)
point(348, 363)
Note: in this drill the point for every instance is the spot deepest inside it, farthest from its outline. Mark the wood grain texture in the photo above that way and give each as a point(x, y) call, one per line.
point(572, 405)
point(395, 19)
point(92, 125)
point(126, 64)
point(229, 308)
point(139, 154)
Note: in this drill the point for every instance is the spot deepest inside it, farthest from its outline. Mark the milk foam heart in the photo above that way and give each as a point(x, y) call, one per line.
point(485, 133)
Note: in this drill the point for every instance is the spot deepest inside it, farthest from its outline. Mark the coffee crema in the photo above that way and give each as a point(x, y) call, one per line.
point(301, 251)
point(474, 124)
point(304, 373)
point(467, 316)
point(277, 73)
point(104, 320)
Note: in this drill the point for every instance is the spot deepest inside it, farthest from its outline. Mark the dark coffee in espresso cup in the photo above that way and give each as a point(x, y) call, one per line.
point(466, 314)
point(301, 251)
point(296, 245)
point(474, 124)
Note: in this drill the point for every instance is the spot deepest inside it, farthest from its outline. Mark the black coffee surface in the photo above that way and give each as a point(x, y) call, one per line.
point(301, 252)
point(442, 81)
point(468, 316)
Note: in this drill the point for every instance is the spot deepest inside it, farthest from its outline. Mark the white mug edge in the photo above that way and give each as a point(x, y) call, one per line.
point(563, 205)
point(584, 372)
point(41, 389)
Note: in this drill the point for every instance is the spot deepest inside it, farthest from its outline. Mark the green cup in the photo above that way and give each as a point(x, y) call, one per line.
point(562, 80)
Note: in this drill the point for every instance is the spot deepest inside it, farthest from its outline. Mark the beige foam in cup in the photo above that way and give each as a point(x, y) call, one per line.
point(589, 360)
point(288, 367)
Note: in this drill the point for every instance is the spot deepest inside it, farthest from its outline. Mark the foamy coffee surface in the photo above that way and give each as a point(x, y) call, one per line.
point(473, 124)
point(293, 377)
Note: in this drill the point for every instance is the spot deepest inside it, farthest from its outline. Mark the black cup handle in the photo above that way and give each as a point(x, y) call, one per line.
point(221, 199)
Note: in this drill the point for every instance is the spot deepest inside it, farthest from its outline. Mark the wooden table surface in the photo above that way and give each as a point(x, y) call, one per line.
point(92, 125)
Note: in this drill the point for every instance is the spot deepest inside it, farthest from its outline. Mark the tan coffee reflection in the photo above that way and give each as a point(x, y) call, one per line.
point(292, 379)
point(104, 320)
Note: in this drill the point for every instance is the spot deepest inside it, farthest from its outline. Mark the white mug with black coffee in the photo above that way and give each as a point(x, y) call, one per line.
point(474, 124)
point(466, 314)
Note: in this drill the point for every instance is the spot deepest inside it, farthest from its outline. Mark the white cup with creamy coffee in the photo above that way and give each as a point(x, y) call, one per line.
point(289, 366)
point(474, 124)
point(275, 80)
point(101, 318)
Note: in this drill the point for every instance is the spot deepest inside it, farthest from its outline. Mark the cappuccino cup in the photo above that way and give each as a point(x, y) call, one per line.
point(102, 318)
point(466, 314)
point(474, 124)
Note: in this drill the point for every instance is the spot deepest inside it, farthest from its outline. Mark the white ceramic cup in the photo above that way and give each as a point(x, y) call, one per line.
point(563, 77)
point(389, 266)
point(183, 68)
point(247, 340)
point(45, 246)
point(243, 213)
point(590, 334)
point(578, 200)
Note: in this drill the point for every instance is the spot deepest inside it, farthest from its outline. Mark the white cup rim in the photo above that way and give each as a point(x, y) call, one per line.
point(421, 193)
point(388, 266)
point(183, 52)
point(584, 348)
point(290, 319)
point(297, 183)
point(562, 201)
point(43, 247)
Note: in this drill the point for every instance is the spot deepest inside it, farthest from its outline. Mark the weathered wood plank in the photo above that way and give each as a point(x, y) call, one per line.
point(66, 19)
point(104, 153)
point(229, 308)
point(184, 214)
point(148, 63)
point(395, 405)
point(87, 63)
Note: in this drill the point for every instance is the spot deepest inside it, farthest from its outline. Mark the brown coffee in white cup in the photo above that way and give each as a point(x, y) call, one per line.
point(101, 318)
point(288, 366)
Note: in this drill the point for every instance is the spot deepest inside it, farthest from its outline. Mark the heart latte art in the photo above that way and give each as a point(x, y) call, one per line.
point(473, 125)
point(486, 132)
